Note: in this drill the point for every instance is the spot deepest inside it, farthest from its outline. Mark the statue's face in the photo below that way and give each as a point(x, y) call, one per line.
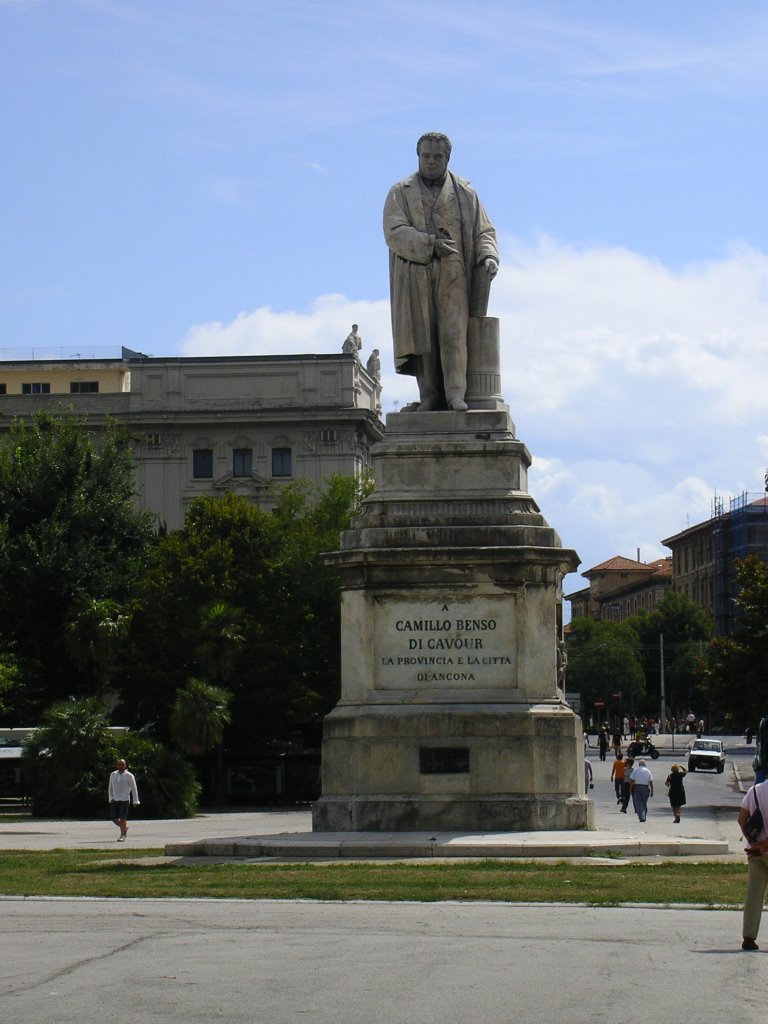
point(433, 159)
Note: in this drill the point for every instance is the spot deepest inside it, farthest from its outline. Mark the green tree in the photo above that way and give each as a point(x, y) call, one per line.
point(10, 682)
point(735, 680)
point(68, 534)
point(93, 639)
point(199, 715)
point(686, 629)
point(603, 659)
point(279, 654)
point(221, 639)
point(165, 780)
point(68, 760)
point(221, 554)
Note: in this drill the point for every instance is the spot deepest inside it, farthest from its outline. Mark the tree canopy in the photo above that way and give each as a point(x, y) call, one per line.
point(69, 760)
point(242, 597)
point(735, 680)
point(686, 629)
point(604, 659)
point(69, 535)
point(10, 682)
point(199, 715)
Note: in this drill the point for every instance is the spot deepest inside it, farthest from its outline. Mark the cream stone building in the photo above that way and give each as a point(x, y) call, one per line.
point(211, 425)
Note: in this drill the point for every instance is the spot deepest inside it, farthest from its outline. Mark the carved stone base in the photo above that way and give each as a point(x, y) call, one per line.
point(450, 714)
point(453, 768)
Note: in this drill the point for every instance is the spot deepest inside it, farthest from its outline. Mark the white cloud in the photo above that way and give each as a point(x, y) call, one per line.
point(638, 388)
point(323, 328)
point(270, 332)
point(614, 341)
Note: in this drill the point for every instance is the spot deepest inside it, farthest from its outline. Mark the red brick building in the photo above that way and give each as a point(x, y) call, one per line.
point(620, 587)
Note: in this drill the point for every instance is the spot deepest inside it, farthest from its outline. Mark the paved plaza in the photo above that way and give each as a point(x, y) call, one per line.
point(708, 826)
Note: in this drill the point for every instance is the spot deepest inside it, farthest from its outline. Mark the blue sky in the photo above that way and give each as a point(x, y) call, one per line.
point(207, 177)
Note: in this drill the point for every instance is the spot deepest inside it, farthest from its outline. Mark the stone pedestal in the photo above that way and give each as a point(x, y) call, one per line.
point(450, 715)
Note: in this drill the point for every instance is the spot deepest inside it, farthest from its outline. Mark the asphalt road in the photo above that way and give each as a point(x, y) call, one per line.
point(713, 799)
point(371, 963)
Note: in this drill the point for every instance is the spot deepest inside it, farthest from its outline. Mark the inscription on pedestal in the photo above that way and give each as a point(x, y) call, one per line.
point(452, 642)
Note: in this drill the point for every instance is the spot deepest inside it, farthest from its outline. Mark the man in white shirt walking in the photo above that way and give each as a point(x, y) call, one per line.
point(122, 793)
point(757, 864)
point(641, 785)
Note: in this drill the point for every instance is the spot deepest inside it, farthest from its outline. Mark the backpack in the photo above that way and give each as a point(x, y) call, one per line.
point(753, 826)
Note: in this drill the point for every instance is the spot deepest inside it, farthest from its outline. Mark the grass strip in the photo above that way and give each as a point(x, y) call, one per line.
point(121, 874)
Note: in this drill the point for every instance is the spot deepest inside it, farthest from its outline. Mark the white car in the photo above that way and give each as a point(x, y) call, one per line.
point(706, 754)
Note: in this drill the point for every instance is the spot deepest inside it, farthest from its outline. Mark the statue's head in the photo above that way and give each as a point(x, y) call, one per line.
point(436, 137)
point(434, 152)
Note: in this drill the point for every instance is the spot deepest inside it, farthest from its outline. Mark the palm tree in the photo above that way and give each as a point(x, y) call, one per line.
point(68, 759)
point(199, 715)
point(221, 638)
point(93, 639)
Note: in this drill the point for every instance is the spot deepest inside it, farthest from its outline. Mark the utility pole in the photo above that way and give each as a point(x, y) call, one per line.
point(663, 715)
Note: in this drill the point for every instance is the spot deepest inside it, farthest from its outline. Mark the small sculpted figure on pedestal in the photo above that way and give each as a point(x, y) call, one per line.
point(443, 256)
point(352, 343)
point(373, 366)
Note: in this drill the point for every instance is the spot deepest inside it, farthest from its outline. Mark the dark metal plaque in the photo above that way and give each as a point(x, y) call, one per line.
point(443, 760)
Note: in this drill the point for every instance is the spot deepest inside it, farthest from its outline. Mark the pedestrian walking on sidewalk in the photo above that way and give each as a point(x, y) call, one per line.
point(617, 776)
point(674, 784)
point(626, 788)
point(757, 864)
point(616, 742)
point(122, 793)
point(641, 782)
point(603, 742)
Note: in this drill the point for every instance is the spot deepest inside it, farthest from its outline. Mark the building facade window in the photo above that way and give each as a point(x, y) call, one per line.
point(282, 462)
point(202, 463)
point(83, 387)
point(36, 388)
point(242, 462)
point(2, 389)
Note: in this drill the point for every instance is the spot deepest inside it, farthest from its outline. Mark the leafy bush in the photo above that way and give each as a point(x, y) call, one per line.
point(69, 760)
point(166, 782)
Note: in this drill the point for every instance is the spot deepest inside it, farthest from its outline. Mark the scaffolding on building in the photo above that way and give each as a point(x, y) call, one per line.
point(740, 531)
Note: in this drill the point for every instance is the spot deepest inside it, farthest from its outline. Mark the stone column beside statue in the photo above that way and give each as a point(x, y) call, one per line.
point(452, 714)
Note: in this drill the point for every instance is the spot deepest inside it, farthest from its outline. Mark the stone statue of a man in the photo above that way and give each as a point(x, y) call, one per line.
point(442, 257)
point(373, 366)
